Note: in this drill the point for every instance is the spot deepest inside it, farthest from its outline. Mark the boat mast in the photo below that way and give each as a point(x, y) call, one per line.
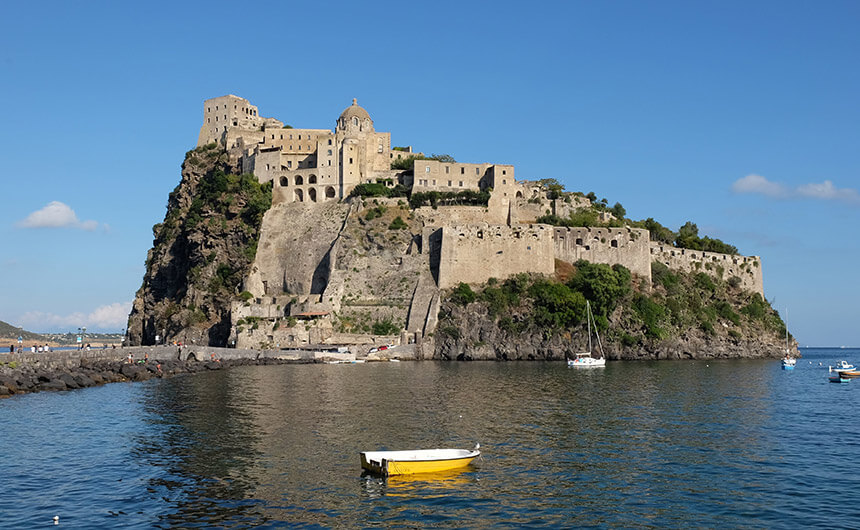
point(588, 316)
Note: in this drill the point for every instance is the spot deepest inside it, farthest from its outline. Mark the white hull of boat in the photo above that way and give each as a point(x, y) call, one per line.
point(586, 362)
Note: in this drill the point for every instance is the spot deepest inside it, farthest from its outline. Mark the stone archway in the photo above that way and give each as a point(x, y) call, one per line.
point(519, 195)
point(329, 192)
point(312, 194)
point(312, 179)
point(299, 180)
point(300, 196)
point(285, 181)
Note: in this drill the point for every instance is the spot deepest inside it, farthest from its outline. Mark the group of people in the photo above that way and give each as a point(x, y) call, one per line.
point(36, 348)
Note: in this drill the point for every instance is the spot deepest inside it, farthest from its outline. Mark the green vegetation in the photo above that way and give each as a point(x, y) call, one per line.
point(407, 163)
point(385, 327)
point(463, 294)
point(398, 224)
point(448, 198)
point(679, 302)
point(373, 213)
point(375, 189)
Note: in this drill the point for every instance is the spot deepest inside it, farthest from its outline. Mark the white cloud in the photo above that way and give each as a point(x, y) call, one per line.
point(758, 184)
point(827, 191)
point(56, 215)
point(824, 190)
point(111, 317)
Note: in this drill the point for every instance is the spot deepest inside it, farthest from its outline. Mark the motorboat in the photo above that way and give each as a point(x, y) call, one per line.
point(585, 359)
point(838, 378)
point(842, 366)
point(417, 460)
point(788, 363)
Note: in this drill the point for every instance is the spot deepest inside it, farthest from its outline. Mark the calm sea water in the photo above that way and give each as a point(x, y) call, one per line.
point(662, 444)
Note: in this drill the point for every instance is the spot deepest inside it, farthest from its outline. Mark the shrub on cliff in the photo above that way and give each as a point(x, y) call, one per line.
point(601, 284)
point(463, 294)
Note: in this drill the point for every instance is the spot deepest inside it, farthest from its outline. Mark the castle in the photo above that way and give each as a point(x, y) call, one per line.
point(308, 274)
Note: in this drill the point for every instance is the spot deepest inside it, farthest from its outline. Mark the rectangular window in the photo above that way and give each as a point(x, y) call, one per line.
point(329, 152)
point(462, 171)
point(449, 183)
point(426, 169)
point(434, 182)
point(290, 164)
point(504, 172)
point(476, 171)
point(329, 141)
point(350, 160)
point(461, 183)
point(447, 170)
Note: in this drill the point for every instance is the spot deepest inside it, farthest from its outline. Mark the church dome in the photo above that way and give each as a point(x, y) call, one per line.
point(354, 111)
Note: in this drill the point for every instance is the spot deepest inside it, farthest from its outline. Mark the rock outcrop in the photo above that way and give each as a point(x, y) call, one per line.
point(201, 253)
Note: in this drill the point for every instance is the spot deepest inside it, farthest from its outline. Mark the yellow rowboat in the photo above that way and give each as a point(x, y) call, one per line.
point(417, 461)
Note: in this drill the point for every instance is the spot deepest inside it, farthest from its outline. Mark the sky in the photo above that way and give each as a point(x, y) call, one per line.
point(740, 116)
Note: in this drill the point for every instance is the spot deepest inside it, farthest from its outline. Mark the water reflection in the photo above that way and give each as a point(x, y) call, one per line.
point(203, 446)
point(738, 443)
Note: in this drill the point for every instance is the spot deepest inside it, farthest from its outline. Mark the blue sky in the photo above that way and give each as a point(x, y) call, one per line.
point(739, 116)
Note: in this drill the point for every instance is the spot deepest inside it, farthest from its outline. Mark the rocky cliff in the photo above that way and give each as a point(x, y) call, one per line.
point(201, 253)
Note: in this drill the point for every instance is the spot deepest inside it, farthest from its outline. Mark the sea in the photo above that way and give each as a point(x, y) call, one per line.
point(663, 444)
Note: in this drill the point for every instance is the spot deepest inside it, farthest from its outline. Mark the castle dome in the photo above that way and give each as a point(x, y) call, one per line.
point(354, 111)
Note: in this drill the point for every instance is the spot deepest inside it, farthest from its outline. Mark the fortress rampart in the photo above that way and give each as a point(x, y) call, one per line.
point(474, 254)
point(722, 266)
point(624, 246)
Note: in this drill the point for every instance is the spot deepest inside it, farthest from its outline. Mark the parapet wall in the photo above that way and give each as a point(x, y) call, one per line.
point(474, 254)
point(625, 246)
point(722, 266)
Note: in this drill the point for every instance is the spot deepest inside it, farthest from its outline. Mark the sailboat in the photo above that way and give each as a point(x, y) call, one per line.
point(585, 359)
point(788, 361)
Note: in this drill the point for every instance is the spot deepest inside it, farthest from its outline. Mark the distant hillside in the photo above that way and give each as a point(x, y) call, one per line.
point(13, 332)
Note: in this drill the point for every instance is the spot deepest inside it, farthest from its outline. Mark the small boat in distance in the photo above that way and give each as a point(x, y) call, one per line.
point(839, 379)
point(585, 359)
point(841, 366)
point(417, 460)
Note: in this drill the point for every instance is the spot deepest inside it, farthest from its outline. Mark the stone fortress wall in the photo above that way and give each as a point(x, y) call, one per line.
point(624, 246)
point(722, 266)
point(469, 244)
point(475, 253)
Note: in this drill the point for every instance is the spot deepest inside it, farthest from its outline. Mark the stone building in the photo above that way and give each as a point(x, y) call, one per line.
point(303, 271)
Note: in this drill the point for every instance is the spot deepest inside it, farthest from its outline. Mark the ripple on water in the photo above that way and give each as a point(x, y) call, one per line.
point(675, 444)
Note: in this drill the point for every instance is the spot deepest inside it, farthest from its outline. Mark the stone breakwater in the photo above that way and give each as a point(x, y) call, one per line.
point(22, 379)
point(72, 369)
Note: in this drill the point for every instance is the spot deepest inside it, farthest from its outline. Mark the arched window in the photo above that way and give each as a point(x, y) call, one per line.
point(329, 192)
point(285, 181)
point(519, 195)
point(299, 180)
point(312, 194)
point(299, 196)
point(312, 179)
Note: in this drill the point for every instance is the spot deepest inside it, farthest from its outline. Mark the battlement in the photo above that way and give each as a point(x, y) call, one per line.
point(624, 246)
point(476, 253)
point(721, 266)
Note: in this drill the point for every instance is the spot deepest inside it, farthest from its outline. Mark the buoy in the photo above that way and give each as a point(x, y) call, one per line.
point(56, 519)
